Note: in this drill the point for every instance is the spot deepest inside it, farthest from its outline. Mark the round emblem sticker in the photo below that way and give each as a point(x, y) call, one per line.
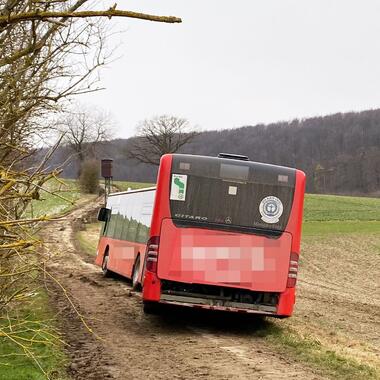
point(271, 209)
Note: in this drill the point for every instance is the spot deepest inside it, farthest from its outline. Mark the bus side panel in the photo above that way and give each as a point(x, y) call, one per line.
point(122, 255)
point(288, 298)
point(295, 221)
point(102, 245)
point(161, 208)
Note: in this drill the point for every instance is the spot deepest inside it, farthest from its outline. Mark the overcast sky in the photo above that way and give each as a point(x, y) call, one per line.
point(243, 62)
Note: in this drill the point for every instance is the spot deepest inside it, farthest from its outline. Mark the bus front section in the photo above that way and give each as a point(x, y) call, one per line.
point(225, 235)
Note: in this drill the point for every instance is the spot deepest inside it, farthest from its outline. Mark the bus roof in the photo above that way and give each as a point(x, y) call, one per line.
point(226, 157)
point(133, 191)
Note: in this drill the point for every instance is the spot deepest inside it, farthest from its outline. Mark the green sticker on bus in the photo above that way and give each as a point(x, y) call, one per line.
point(178, 187)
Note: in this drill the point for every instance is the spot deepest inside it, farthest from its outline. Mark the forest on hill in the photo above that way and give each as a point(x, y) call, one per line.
point(340, 153)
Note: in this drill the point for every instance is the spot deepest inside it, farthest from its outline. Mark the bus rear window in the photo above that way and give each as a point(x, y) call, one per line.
point(237, 172)
point(223, 193)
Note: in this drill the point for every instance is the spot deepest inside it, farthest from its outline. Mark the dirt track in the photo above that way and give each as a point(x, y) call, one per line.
point(181, 344)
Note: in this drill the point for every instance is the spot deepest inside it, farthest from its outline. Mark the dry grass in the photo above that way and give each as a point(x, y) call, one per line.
point(88, 238)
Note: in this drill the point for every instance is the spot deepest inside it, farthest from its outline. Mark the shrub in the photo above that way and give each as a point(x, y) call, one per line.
point(89, 177)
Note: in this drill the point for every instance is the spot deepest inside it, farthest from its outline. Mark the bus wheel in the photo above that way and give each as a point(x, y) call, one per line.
point(151, 307)
point(105, 270)
point(135, 274)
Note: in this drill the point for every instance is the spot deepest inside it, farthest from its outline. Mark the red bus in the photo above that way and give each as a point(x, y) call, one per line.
point(217, 232)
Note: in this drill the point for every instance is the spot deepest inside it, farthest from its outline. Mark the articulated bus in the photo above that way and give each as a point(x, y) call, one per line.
point(216, 232)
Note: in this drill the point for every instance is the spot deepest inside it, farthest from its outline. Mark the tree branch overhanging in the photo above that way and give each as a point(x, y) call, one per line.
point(38, 15)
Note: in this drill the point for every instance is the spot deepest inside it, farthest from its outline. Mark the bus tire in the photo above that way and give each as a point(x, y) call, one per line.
point(151, 307)
point(135, 274)
point(105, 270)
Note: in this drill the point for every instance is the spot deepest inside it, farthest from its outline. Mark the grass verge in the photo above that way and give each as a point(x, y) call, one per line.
point(310, 351)
point(33, 329)
point(88, 238)
point(30, 343)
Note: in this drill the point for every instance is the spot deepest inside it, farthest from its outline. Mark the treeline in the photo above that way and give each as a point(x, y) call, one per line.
point(340, 153)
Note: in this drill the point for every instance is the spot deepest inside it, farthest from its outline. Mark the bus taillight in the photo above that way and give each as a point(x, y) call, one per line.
point(152, 254)
point(293, 270)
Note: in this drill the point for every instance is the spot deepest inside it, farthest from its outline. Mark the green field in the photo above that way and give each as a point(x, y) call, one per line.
point(334, 207)
point(125, 185)
point(57, 198)
point(326, 214)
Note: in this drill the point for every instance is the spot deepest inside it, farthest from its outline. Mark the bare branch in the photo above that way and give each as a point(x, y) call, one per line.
point(29, 16)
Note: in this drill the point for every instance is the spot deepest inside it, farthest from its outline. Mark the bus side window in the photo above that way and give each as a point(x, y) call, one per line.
point(130, 233)
point(143, 233)
point(119, 226)
point(112, 223)
point(132, 229)
point(125, 212)
point(124, 233)
point(105, 225)
point(144, 222)
point(103, 230)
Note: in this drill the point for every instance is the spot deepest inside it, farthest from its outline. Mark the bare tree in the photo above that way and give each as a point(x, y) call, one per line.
point(158, 136)
point(83, 127)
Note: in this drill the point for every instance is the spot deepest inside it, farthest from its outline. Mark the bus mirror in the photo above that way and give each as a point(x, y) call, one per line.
point(104, 214)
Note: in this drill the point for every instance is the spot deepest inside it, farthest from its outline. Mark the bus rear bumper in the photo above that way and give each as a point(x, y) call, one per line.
point(286, 302)
point(203, 303)
point(154, 291)
point(151, 287)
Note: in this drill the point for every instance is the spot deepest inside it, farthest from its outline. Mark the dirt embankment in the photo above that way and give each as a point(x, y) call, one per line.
point(125, 343)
